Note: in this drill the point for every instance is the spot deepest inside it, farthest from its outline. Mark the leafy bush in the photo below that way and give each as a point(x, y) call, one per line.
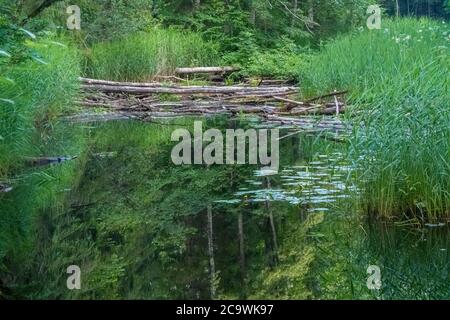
point(281, 63)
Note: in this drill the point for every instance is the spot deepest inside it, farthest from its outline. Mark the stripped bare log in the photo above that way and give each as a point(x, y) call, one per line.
point(99, 117)
point(171, 78)
point(206, 70)
point(88, 81)
point(332, 94)
point(185, 89)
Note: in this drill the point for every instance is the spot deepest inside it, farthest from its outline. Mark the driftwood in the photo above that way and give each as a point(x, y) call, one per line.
point(206, 70)
point(88, 82)
point(183, 90)
point(333, 94)
point(5, 188)
point(43, 161)
point(170, 78)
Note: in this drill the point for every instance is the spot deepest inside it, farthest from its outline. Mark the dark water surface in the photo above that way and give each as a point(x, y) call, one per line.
point(140, 227)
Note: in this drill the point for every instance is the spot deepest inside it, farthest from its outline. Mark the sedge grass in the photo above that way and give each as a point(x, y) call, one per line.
point(141, 56)
point(399, 84)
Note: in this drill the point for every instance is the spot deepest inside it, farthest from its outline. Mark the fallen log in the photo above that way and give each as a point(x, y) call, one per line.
point(298, 103)
point(206, 70)
point(5, 188)
point(185, 90)
point(43, 161)
point(88, 81)
point(332, 94)
point(171, 78)
point(99, 117)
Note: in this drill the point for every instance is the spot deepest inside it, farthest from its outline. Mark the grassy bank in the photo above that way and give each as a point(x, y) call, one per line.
point(34, 93)
point(141, 56)
point(399, 84)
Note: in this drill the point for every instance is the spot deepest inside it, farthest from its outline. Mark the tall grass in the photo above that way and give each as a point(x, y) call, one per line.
point(399, 84)
point(32, 95)
point(144, 55)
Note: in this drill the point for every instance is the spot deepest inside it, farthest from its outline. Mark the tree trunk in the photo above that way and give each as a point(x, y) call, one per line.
point(212, 267)
point(295, 9)
point(311, 14)
point(37, 9)
point(253, 13)
point(241, 244)
point(196, 5)
point(272, 225)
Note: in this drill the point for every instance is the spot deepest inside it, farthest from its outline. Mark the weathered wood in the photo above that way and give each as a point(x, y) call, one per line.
point(43, 161)
point(298, 103)
point(5, 188)
point(212, 266)
point(206, 70)
point(186, 89)
point(332, 94)
point(88, 81)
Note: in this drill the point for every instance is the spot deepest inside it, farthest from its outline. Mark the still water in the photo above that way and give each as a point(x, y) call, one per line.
point(141, 228)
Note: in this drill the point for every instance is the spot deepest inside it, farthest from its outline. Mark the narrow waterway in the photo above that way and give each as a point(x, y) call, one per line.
point(140, 227)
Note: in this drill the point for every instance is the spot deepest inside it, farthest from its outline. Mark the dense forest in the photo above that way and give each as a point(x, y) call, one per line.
point(106, 197)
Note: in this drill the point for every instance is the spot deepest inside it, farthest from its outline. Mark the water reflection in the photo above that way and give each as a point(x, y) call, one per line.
point(314, 184)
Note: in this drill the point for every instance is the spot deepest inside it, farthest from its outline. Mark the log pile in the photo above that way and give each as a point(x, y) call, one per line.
point(274, 103)
point(146, 97)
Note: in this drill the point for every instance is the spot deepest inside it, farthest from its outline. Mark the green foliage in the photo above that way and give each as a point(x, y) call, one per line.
point(282, 63)
point(399, 84)
point(262, 23)
point(144, 55)
point(100, 20)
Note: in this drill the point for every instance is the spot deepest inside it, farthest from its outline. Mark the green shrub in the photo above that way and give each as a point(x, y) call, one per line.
point(281, 63)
